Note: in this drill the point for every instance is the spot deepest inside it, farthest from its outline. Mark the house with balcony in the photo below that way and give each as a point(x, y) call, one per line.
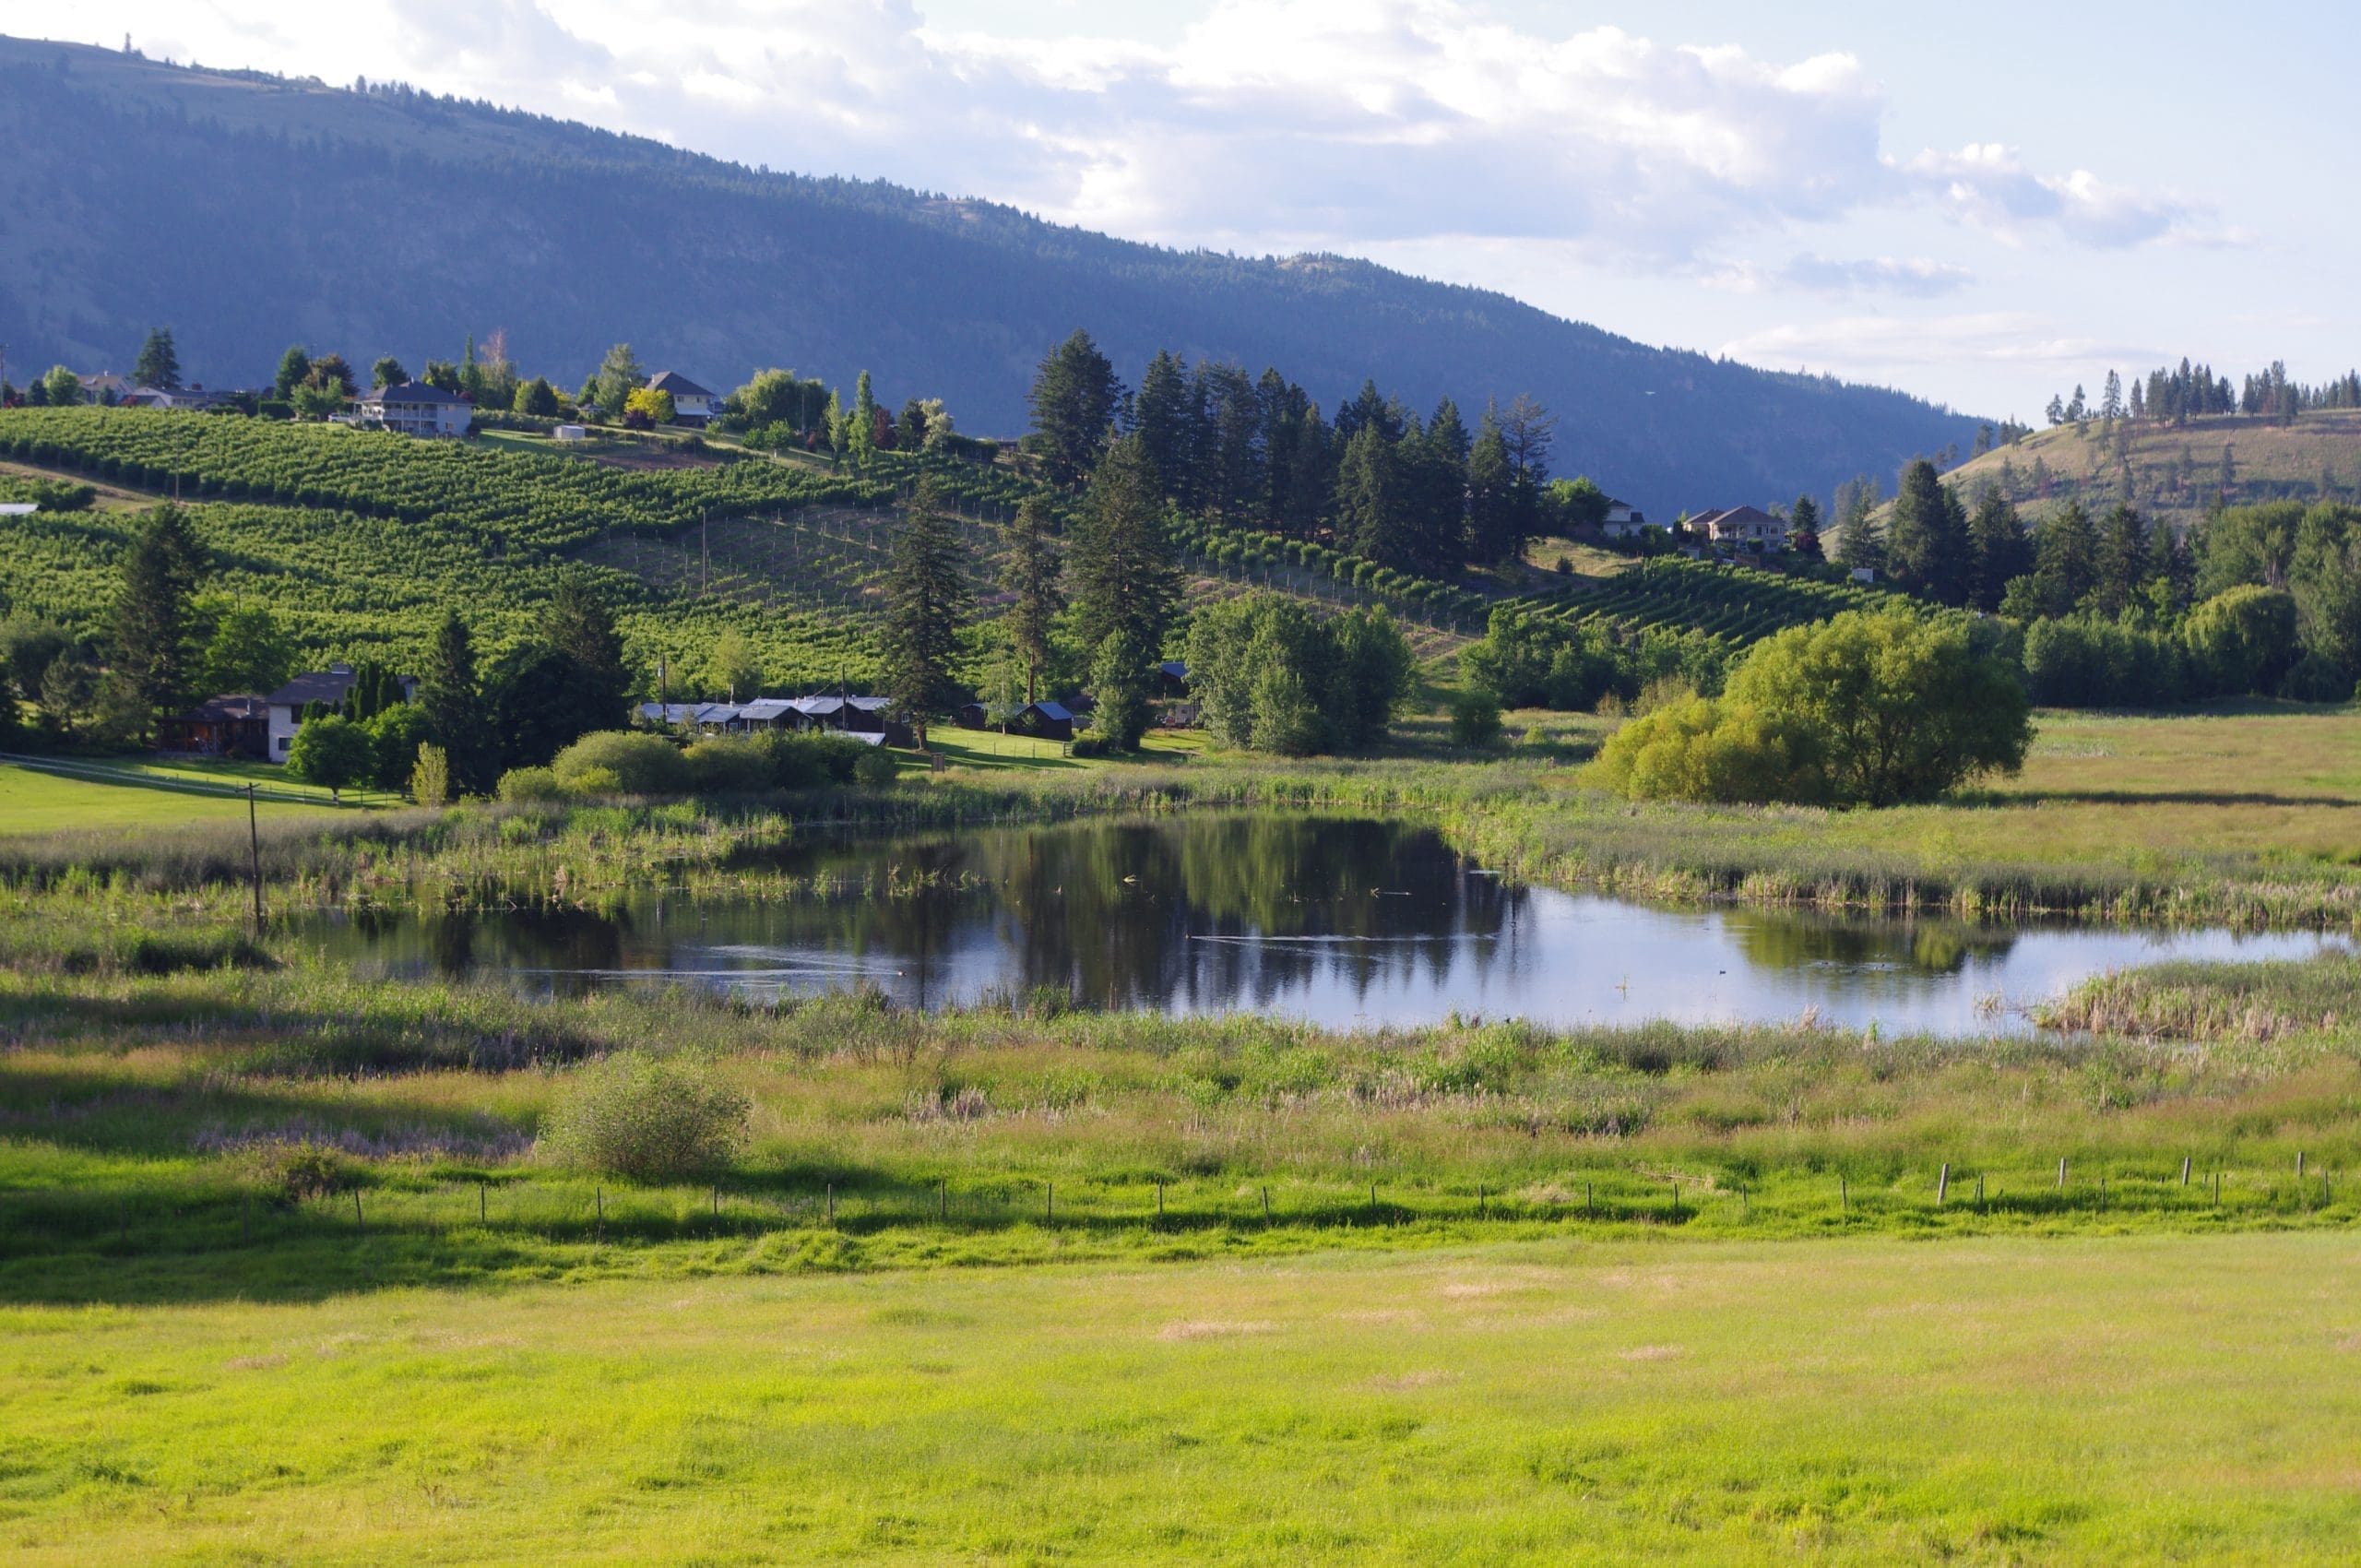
point(416, 409)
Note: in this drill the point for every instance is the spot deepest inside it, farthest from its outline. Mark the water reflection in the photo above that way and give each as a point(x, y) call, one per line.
point(1342, 921)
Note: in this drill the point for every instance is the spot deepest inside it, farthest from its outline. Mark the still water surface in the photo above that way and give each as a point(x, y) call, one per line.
point(1345, 922)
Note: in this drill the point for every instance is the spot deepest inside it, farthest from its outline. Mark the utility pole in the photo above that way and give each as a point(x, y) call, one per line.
point(253, 846)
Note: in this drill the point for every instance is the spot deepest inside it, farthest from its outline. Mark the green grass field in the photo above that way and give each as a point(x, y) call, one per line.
point(32, 801)
point(2095, 1400)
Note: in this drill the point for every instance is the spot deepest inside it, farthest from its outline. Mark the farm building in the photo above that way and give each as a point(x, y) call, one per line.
point(236, 726)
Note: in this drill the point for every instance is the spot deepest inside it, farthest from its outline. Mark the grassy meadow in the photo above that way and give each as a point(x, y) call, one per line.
point(284, 1275)
point(2087, 1400)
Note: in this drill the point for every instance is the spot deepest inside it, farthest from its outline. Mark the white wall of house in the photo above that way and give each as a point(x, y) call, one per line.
point(284, 722)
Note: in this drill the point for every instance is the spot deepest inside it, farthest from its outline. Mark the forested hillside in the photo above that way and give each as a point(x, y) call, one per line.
point(250, 212)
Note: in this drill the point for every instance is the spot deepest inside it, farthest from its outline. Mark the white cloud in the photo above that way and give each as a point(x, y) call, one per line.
point(1326, 122)
point(1883, 347)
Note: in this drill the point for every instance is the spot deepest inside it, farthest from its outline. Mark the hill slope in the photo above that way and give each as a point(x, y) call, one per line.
point(2176, 472)
point(248, 211)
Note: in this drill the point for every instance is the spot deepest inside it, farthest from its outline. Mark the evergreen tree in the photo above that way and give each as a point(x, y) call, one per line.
point(1310, 468)
point(1370, 507)
point(1074, 400)
point(1119, 686)
point(449, 691)
point(1530, 430)
point(2002, 551)
point(579, 626)
point(159, 364)
point(151, 608)
point(1029, 572)
point(2124, 560)
point(2066, 555)
point(293, 366)
point(926, 605)
point(1926, 542)
point(1803, 529)
point(1860, 543)
point(1492, 532)
point(1160, 418)
point(861, 427)
point(2111, 397)
point(1119, 555)
point(1231, 471)
point(620, 374)
point(387, 372)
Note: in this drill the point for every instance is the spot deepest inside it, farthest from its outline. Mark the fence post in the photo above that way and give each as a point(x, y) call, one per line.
point(1266, 1205)
point(1159, 1203)
point(2183, 1170)
point(832, 1203)
point(359, 1223)
point(2061, 1172)
point(1050, 1204)
point(1844, 1193)
point(1943, 1184)
point(484, 1203)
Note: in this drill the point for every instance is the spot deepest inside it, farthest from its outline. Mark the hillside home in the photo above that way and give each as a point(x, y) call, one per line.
point(416, 409)
point(331, 687)
point(106, 388)
point(692, 404)
point(1737, 526)
point(236, 726)
point(1622, 520)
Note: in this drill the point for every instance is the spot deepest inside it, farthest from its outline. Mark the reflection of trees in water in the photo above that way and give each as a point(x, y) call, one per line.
point(1110, 911)
point(1782, 940)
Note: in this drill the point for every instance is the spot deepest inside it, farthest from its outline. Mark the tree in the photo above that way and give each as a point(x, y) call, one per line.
point(1530, 430)
point(644, 409)
point(1160, 418)
point(2066, 555)
point(1273, 675)
point(2242, 641)
point(1371, 516)
point(62, 387)
point(1118, 554)
point(387, 372)
point(1903, 707)
point(860, 425)
point(620, 374)
point(313, 401)
point(2003, 552)
point(2125, 560)
point(294, 365)
point(332, 751)
point(429, 782)
point(1803, 529)
point(331, 374)
point(443, 375)
point(453, 700)
point(1494, 535)
point(9, 735)
point(1119, 685)
point(1927, 544)
point(566, 683)
point(395, 734)
point(537, 397)
point(159, 364)
point(738, 665)
point(926, 606)
point(248, 651)
point(159, 572)
point(1029, 571)
point(1073, 400)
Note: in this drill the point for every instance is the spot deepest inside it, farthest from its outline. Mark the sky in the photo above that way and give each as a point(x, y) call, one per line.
point(1983, 209)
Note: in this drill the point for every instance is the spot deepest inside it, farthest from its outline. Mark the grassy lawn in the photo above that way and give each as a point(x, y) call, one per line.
point(1860, 1402)
point(990, 749)
point(35, 802)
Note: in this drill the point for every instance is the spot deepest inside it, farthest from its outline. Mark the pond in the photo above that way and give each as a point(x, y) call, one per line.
point(1341, 921)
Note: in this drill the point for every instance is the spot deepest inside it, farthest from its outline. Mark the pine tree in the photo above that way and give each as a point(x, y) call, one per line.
point(1494, 536)
point(159, 364)
point(1310, 470)
point(1803, 529)
point(151, 608)
point(926, 606)
point(450, 692)
point(1119, 555)
point(1926, 543)
point(1029, 572)
point(2124, 560)
point(294, 365)
point(2002, 551)
point(1074, 399)
point(2066, 560)
point(580, 629)
point(1160, 418)
point(1369, 505)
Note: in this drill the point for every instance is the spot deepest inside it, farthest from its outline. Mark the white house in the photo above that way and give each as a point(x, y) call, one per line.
point(105, 387)
point(692, 404)
point(1622, 520)
point(416, 409)
point(1742, 526)
point(330, 686)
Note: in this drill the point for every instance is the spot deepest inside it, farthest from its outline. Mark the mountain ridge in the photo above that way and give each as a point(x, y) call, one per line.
point(247, 212)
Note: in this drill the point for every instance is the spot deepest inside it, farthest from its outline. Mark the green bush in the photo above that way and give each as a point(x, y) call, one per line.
point(811, 761)
point(648, 1118)
point(1474, 717)
point(528, 785)
point(631, 762)
point(726, 768)
point(875, 766)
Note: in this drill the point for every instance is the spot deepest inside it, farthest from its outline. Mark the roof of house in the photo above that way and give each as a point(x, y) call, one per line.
point(679, 385)
point(1177, 669)
point(766, 709)
point(668, 712)
point(1737, 520)
point(221, 709)
point(413, 392)
point(717, 712)
point(332, 685)
point(1051, 710)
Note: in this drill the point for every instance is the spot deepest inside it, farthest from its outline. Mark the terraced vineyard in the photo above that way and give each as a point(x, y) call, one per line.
point(1740, 605)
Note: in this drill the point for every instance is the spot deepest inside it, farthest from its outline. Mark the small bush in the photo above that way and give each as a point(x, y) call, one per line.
point(875, 766)
point(648, 1118)
point(726, 768)
point(1088, 746)
point(526, 785)
point(639, 764)
point(1474, 717)
point(293, 1171)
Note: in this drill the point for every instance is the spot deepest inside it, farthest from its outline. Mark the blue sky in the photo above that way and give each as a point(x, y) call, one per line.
point(1982, 206)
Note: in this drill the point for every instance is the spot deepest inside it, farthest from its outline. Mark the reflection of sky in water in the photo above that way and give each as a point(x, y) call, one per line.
point(1343, 924)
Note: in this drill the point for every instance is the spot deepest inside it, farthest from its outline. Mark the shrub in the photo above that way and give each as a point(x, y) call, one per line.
point(429, 782)
point(648, 1118)
point(1089, 746)
point(1709, 749)
point(522, 785)
point(2315, 679)
point(726, 768)
point(634, 763)
point(2241, 641)
point(810, 762)
point(332, 751)
point(875, 766)
point(1474, 717)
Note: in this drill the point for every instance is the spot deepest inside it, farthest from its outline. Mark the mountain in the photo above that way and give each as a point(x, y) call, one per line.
point(248, 211)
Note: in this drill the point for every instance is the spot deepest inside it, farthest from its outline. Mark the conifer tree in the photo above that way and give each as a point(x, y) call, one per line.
point(1803, 529)
point(1926, 543)
point(151, 608)
point(2002, 551)
point(1119, 557)
point(1493, 534)
point(1160, 418)
point(1029, 572)
point(452, 696)
point(294, 365)
point(159, 364)
point(1073, 400)
point(926, 605)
